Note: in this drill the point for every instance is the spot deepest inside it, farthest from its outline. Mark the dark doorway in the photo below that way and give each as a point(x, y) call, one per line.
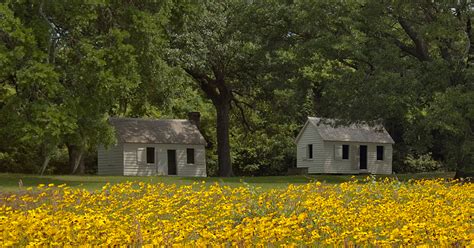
point(171, 162)
point(363, 157)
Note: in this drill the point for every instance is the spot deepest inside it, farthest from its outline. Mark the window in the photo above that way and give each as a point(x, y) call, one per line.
point(345, 151)
point(379, 152)
point(140, 155)
point(150, 155)
point(310, 151)
point(190, 156)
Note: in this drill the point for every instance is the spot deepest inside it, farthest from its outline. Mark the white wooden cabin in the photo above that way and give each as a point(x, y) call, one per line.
point(154, 147)
point(323, 147)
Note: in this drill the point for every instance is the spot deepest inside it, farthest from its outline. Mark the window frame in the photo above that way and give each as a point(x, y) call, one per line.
point(148, 153)
point(381, 153)
point(140, 156)
point(309, 151)
point(188, 151)
point(345, 152)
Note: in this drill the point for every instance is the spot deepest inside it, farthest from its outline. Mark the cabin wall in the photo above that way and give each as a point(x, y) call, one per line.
point(133, 166)
point(325, 160)
point(333, 164)
point(380, 166)
point(308, 136)
point(110, 160)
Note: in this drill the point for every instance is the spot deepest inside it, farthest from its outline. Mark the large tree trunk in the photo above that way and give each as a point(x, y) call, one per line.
point(223, 145)
point(46, 153)
point(45, 164)
point(317, 96)
point(464, 175)
point(470, 36)
point(464, 170)
point(76, 161)
point(220, 95)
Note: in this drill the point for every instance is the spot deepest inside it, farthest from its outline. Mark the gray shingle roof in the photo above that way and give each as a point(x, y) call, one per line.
point(353, 132)
point(175, 131)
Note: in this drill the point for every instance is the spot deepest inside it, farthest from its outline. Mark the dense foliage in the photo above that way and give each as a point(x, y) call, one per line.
point(254, 69)
point(376, 213)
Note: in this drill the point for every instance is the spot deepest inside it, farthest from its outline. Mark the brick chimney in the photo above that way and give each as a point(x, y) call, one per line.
point(195, 118)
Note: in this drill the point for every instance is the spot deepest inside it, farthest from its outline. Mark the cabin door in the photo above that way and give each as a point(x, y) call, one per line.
point(171, 162)
point(363, 157)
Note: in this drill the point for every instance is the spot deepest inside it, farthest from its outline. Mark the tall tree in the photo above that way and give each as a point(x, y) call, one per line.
point(31, 114)
point(99, 55)
point(385, 61)
point(213, 48)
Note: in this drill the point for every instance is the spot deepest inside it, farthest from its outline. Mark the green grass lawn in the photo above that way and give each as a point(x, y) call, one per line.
point(10, 182)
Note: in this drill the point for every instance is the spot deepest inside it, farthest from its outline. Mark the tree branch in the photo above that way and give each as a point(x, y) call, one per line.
point(444, 49)
point(344, 62)
point(204, 83)
point(53, 33)
point(244, 103)
point(402, 46)
point(219, 82)
point(470, 43)
point(242, 95)
point(242, 113)
point(421, 48)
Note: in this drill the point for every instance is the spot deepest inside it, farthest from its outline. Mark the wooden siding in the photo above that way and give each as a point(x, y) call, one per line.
point(160, 167)
point(380, 166)
point(335, 164)
point(110, 161)
point(332, 164)
point(308, 136)
point(326, 159)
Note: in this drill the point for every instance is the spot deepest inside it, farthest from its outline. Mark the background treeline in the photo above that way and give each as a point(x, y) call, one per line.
point(257, 68)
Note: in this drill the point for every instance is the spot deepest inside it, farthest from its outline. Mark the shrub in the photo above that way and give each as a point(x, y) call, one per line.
point(421, 163)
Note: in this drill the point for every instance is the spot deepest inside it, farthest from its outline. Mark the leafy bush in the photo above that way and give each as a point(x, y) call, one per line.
point(263, 154)
point(421, 163)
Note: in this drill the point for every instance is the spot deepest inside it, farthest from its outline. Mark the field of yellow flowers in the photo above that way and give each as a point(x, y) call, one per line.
point(373, 213)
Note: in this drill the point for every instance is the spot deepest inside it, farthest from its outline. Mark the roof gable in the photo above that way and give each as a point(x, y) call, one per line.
point(175, 131)
point(353, 132)
point(307, 125)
